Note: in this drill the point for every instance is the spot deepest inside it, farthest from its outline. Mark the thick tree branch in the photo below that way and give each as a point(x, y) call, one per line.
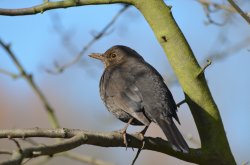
point(57, 5)
point(79, 137)
point(197, 94)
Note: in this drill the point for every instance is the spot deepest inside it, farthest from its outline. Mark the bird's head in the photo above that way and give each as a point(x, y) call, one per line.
point(116, 55)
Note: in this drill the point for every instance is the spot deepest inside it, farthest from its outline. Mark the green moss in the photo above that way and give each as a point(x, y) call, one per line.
point(198, 96)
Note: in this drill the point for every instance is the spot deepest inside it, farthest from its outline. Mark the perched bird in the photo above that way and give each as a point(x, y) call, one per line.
point(134, 92)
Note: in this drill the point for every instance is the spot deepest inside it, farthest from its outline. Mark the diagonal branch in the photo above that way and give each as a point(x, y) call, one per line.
point(217, 5)
point(95, 38)
point(28, 77)
point(238, 9)
point(79, 137)
point(8, 73)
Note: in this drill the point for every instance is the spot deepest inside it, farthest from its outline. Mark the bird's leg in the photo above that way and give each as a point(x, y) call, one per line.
point(124, 132)
point(142, 133)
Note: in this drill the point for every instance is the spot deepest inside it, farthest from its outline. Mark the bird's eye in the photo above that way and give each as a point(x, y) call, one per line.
point(113, 55)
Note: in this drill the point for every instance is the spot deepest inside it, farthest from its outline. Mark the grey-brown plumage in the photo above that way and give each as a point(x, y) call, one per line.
point(135, 92)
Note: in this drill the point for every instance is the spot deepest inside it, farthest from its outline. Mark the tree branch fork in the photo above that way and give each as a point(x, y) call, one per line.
point(74, 138)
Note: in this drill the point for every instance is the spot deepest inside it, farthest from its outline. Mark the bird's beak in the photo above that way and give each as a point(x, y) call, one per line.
point(97, 56)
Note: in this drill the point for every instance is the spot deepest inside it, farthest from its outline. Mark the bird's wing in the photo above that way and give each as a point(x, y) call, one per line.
point(125, 95)
point(131, 101)
point(156, 95)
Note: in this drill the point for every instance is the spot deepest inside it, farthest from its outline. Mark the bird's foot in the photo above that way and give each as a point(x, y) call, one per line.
point(124, 135)
point(142, 133)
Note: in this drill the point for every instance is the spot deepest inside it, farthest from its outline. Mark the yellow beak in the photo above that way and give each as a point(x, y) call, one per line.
point(97, 56)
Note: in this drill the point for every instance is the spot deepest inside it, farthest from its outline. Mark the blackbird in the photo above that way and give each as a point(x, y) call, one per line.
point(134, 92)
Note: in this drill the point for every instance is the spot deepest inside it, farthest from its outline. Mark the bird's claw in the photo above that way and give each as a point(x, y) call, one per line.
point(142, 133)
point(124, 135)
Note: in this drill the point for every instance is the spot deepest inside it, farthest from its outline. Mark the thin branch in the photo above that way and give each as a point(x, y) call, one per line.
point(79, 137)
point(8, 73)
point(217, 5)
point(35, 151)
point(180, 103)
point(95, 38)
point(231, 50)
point(238, 9)
point(215, 57)
point(57, 5)
point(85, 159)
point(26, 161)
point(28, 77)
point(208, 11)
point(142, 133)
point(5, 152)
point(209, 62)
point(136, 156)
point(72, 155)
point(17, 144)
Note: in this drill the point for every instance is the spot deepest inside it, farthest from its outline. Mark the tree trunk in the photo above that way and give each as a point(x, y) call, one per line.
point(215, 147)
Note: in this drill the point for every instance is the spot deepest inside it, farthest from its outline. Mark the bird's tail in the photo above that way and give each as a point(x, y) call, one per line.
point(173, 135)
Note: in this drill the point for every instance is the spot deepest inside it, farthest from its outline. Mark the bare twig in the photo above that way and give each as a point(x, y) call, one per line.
point(56, 5)
point(28, 77)
point(209, 62)
point(79, 137)
point(136, 156)
point(5, 152)
point(26, 161)
point(75, 141)
point(216, 56)
point(17, 144)
point(211, 21)
point(95, 38)
point(233, 8)
point(238, 9)
point(85, 159)
point(217, 5)
point(142, 133)
point(13, 75)
point(180, 103)
point(231, 50)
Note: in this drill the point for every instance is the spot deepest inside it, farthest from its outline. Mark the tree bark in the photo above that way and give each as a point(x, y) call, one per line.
point(191, 77)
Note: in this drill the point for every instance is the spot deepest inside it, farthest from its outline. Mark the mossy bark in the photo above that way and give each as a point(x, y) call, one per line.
point(215, 147)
